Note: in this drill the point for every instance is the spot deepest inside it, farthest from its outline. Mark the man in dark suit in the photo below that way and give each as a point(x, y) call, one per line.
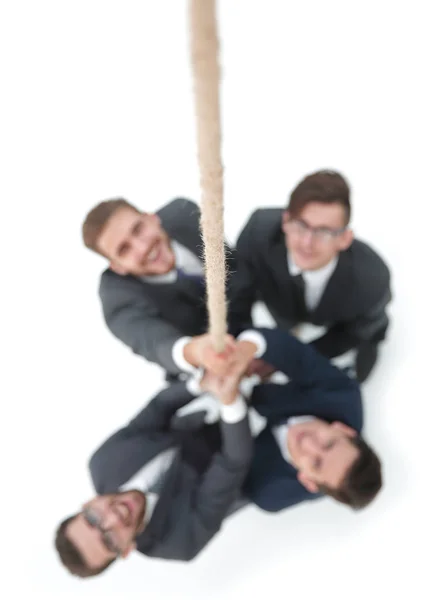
point(162, 491)
point(311, 444)
point(153, 291)
point(304, 264)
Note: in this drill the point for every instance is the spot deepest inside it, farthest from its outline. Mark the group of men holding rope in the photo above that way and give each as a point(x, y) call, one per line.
point(276, 418)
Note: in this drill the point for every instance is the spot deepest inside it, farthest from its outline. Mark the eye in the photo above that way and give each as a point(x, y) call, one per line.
point(302, 225)
point(137, 228)
point(92, 518)
point(122, 250)
point(330, 445)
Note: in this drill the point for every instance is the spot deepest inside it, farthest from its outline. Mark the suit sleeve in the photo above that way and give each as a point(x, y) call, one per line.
point(372, 296)
point(243, 288)
point(221, 484)
point(277, 493)
point(158, 413)
point(155, 417)
point(299, 361)
point(135, 320)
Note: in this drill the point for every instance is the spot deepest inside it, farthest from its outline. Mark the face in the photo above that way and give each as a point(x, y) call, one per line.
point(316, 235)
point(107, 527)
point(322, 452)
point(136, 244)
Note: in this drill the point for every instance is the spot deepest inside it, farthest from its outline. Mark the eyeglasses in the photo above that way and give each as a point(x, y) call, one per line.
point(322, 234)
point(107, 536)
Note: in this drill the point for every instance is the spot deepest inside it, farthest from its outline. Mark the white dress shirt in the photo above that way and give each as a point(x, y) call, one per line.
point(315, 281)
point(147, 476)
point(191, 265)
point(184, 259)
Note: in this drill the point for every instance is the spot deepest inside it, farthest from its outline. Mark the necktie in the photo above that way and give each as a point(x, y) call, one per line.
point(192, 276)
point(156, 481)
point(299, 291)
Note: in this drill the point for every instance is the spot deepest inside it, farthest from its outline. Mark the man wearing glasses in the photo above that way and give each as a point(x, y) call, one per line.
point(162, 490)
point(304, 264)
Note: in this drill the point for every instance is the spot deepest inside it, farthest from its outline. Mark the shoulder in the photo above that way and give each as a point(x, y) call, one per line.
point(369, 267)
point(263, 223)
point(111, 284)
point(179, 208)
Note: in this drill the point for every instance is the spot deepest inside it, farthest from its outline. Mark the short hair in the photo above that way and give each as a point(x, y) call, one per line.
point(326, 187)
point(70, 556)
point(97, 219)
point(363, 480)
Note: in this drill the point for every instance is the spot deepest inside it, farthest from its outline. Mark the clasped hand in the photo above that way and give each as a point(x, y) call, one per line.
point(224, 370)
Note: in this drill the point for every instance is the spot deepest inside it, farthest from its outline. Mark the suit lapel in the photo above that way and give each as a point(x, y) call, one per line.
point(291, 289)
point(154, 529)
point(188, 236)
point(337, 288)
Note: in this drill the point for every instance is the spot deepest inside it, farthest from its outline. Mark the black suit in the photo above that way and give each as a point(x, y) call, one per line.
point(150, 317)
point(201, 486)
point(352, 307)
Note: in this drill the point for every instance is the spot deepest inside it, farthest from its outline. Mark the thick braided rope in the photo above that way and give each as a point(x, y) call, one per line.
point(204, 49)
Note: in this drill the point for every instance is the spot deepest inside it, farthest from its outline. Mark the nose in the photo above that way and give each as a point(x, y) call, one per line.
point(111, 519)
point(307, 239)
point(309, 445)
point(140, 248)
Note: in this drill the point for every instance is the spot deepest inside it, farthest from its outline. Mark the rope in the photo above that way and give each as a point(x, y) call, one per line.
point(204, 49)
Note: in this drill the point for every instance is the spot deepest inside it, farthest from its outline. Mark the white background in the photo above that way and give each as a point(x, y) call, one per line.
point(96, 102)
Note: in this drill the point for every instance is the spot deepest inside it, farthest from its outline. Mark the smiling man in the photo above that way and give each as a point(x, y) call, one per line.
point(153, 291)
point(305, 265)
point(312, 443)
point(162, 491)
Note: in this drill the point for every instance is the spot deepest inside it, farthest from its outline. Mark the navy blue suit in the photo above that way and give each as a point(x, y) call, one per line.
point(316, 388)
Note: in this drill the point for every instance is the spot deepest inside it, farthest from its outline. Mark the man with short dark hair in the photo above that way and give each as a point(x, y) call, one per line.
point(153, 291)
point(304, 264)
point(312, 441)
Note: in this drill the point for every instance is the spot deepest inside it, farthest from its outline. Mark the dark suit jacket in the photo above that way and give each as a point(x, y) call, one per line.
point(316, 388)
point(353, 306)
point(200, 487)
point(150, 317)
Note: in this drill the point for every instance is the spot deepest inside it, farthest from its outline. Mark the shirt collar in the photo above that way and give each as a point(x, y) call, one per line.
point(324, 271)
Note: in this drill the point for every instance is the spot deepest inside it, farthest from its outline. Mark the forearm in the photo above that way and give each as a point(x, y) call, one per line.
point(335, 342)
point(159, 411)
point(149, 337)
point(235, 430)
point(343, 337)
point(222, 482)
point(298, 361)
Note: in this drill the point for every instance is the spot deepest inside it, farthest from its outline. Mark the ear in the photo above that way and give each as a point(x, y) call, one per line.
point(346, 239)
point(285, 219)
point(308, 483)
point(129, 549)
point(348, 431)
point(153, 218)
point(117, 268)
